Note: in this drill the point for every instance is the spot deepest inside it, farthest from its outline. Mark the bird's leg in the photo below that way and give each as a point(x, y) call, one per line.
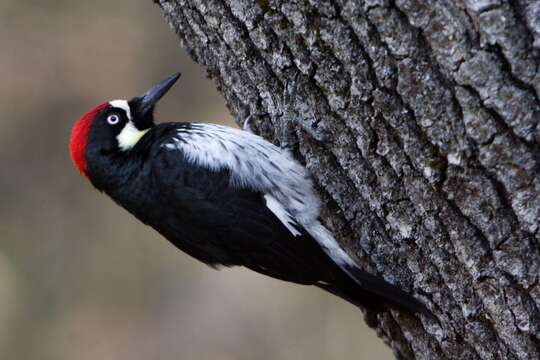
point(287, 119)
point(287, 135)
point(247, 124)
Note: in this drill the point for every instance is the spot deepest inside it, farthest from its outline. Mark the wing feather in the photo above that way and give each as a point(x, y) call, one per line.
point(257, 164)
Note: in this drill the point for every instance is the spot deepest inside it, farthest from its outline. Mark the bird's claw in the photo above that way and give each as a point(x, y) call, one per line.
point(247, 122)
point(287, 117)
point(247, 126)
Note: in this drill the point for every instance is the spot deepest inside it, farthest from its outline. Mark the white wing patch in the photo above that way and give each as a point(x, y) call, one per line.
point(329, 244)
point(254, 164)
point(257, 164)
point(282, 214)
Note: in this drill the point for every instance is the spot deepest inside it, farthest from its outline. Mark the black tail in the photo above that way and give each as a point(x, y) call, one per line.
point(365, 290)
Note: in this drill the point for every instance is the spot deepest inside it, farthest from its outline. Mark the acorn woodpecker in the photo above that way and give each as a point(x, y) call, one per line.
point(223, 195)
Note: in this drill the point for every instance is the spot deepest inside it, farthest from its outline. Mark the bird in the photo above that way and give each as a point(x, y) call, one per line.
point(224, 196)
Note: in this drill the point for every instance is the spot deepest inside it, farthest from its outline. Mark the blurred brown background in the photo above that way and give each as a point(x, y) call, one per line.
point(80, 278)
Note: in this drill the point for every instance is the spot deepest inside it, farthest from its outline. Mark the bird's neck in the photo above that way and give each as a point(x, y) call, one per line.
point(113, 172)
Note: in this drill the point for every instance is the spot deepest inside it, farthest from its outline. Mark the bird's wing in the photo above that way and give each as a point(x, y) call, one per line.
point(255, 164)
point(221, 224)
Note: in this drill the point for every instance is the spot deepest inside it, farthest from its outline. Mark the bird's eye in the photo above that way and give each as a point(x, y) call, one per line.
point(113, 119)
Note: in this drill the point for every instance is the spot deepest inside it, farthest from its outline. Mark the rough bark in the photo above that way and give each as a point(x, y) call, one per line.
point(419, 120)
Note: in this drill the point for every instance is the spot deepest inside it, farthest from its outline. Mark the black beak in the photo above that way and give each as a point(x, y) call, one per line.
point(147, 102)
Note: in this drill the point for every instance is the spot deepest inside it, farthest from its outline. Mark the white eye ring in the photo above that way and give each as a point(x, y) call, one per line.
point(113, 119)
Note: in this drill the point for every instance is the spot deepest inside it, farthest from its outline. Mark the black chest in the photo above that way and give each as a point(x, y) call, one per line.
point(194, 208)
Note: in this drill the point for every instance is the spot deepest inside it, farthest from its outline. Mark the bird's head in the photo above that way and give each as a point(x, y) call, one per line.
point(115, 126)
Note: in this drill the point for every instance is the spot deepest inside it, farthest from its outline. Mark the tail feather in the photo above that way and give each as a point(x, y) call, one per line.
point(358, 286)
point(365, 300)
point(375, 293)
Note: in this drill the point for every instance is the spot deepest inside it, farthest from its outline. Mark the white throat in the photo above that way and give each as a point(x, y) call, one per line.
point(129, 136)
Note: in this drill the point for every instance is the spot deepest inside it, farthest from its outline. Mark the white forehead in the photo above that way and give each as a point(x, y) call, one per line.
point(121, 104)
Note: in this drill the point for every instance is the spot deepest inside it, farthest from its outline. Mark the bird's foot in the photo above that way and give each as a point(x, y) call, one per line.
point(247, 124)
point(287, 119)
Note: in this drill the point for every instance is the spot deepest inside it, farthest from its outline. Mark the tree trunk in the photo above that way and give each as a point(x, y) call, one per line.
point(419, 121)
